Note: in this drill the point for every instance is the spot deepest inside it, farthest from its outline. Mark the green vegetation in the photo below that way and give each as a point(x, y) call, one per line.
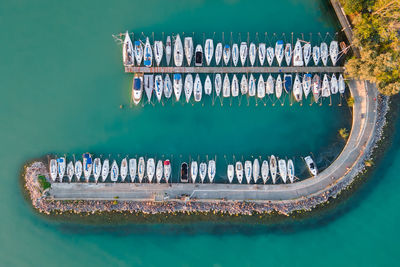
point(344, 133)
point(350, 101)
point(369, 163)
point(44, 184)
point(377, 33)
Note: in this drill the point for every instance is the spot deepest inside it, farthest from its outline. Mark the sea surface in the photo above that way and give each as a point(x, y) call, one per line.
point(62, 86)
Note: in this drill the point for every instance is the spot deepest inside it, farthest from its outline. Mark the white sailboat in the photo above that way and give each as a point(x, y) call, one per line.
point(273, 168)
point(279, 51)
point(288, 54)
point(124, 169)
point(188, 49)
point(325, 91)
point(235, 54)
point(316, 54)
point(316, 87)
point(342, 84)
point(53, 169)
point(158, 52)
point(226, 87)
point(168, 49)
point(198, 58)
point(178, 51)
point(150, 169)
point(127, 51)
point(256, 170)
point(270, 55)
point(159, 171)
point(269, 89)
point(61, 166)
point(138, 52)
point(307, 80)
point(167, 86)
point(96, 169)
point(193, 171)
point(264, 171)
point(307, 53)
point(70, 170)
point(159, 87)
point(167, 170)
point(239, 171)
point(278, 86)
point(211, 170)
point(298, 55)
point(87, 165)
point(78, 170)
point(132, 169)
point(290, 170)
point(252, 85)
point(235, 86)
point(311, 166)
point(333, 52)
point(244, 85)
point(282, 169)
point(226, 54)
point(297, 89)
point(334, 85)
point(230, 172)
point(141, 169)
point(261, 87)
point(209, 51)
point(149, 86)
point(208, 85)
point(248, 170)
point(243, 53)
point(105, 170)
point(137, 88)
point(198, 89)
point(202, 171)
point(218, 53)
point(261, 53)
point(218, 84)
point(324, 53)
point(252, 53)
point(188, 87)
point(177, 84)
point(148, 54)
point(114, 171)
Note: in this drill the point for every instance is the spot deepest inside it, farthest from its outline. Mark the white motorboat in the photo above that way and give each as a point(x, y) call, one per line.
point(208, 85)
point(342, 85)
point(132, 169)
point(261, 87)
point(324, 53)
point(252, 85)
point(177, 84)
point(244, 85)
point(127, 51)
point(87, 165)
point(256, 170)
point(230, 172)
point(148, 86)
point(316, 87)
point(188, 87)
point(96, 169)
point(325, 91)
point(124, 169)
point(167, 170)
point(188, 49)
point(150, 169)
point(307, 80)
point(168, 49)
point(282, 169)
point(61, 166)
point(333, 52)
point(53, 169)
point(235, 54)
point(178, 51)
point(137, 88)
point(141, 169)
point(209, 51)
point(239, 171)
point(278, 86)
point(287, 83)
point(270, 55)
point(273, 168)
point(218, 53)
point(316, 55)
point(334, 85)
point(198, 57)
point(248, 170)
point(148, 54)
point(198, 89)
point(298, 55)
point(105, 170)
point(264, 171)
point(235, 86)
point(218, 84)
point(167, 86)
point(226, 54)
point(226, 87)
point(159, 171)
point(78, 170)
point(279, 51)
point(243, 53)
point(297, 89)
point(288, 54)
point(252, 53)
point(114, 171)
point(193, 171)
point(290, 170)
point(307, 53)
point(184, 172)
point(158, 52)
point(138, 52)
point(70, 170)
point(202, 171)
point(311, 165)
point(261, 53)
point(159, 87)
point(269, 89)
point(211, 170)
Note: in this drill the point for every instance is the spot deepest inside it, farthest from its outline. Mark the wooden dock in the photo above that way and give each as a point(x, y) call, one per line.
point(314, 69)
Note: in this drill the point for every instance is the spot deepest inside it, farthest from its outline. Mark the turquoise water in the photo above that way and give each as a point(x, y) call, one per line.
point(62, 85)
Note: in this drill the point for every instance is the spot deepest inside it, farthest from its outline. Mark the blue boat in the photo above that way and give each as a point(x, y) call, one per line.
point(288, 82)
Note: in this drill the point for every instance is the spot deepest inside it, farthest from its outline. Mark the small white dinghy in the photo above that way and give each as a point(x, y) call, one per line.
point(178, 51)
point(159, 171)
point(279, 53)
point(96, 169)
point(188, 87)
point(307, 79)
point(261, 87)
point(105, 170)
point(70, 170)
point(167, 170)
point(230, 172)
point(150, 169)
point(325, 91)
point(261, 53)
point(78, 170)
point(290, 170)
point(324, 53)
point(141, 169)
point(209, 51)
point(188, 49)
point(168, 49)
point(307, 53)
point(177, 84)
point(269, 89)
point(342, 84)
point(282, 169)
point(127, 51)
point(198, 56)
point(248, 170)
point(243, 53)
point(193, 171)
point(158, 52)
point(132, 169)
point(61, 166)
point(202, 171)
point(333, 52)
point(297, 89)
point(114, 171)
point(252, 53)
point(124, 169)
point(298, 55)
point(138, 52)
point(278, 86)
point(244, 85)
point(226, 54)
point(218, 53)
point(226, 88)
point(239, 171)
point(208, 86)
point(316, 87)
point(167, 86)
point(256, 170)
point(218, 84)
point(288, 54)
point(148, 54)
point(211, 170)
point(198, 89)
point(235, 86)
point(316, 55)
point(148, 86)
point(235, 54)
point(312, 168)
point(159, 87)
point(53, 169)
point(273, 168)
point(252, 85)
point(264, 171)
point(334, 85)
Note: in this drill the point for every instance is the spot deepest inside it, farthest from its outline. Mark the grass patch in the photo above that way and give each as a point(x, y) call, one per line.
point(44, 184)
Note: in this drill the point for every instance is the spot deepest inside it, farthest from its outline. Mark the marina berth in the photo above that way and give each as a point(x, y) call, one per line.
point(290, 170)
point(198, 56)
point(168, 50)
point(188, 87)
point(248, 170)
point(209, 51)
point(218, 53)
point(150, 169)
point(316, 55)
point(114, 171)
point(141, 169)
point(167, 86)
point(105, 170)
point(70, 170)
point(256, 170)
point(138, 52)
point(167, 170)
point(279, 51)
point(159, 171)
point(207, 86)
point(333, 52)
point(288, 54)
point(273, 168)
point(87, 165)
point(194, 169)
point(264, 171)
point(282, 169)
point(226, 88)
point(244, 85)
point(61, 165)
point(96, 169)
point(235, 86)
point(235, 54)
point(261, 87)
point(159, 87)
point(53, 169)
point(324, 53)
point(202, 171)
point(226, 54)
point(298, 55)
point(148, 54)
point(78, 170)
point(307, 80)
point(158, 52)
point(297, 89)
point(243, 53)
point(271, 55)
point(178, 51)
point(239, 172)
point(252, 53)
point(198, 89)
point(148, 86)
point(334, 84)
point(278, 87)
point(261, 53)
point(127, 51)
point(252, 85)
point(177, 84)
point(189, 49)
point(137, 88)
point(211, 170)
point(218, 84)
point(307, 53)
point(269, 89)
point(124, 169)
point(230, 173)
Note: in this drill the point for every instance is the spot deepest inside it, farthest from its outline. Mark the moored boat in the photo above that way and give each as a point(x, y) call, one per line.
point(244, 85)
point(178, 51)
point(168, 50)
point(177, 84)
point(334, 84)
point(193, 171)
point(167, 170)
point(218, 53)
point(198, 89)
point(324, 53)
point(261, 87)
point(96, 169)
point(342, 84)
point(282, 169)
point(207, 85)
point(158, 52)
point(124, 169)
point(78, 170)
point(248, 170)
point(256, 170)
point(316, 55)
point(239, 171)
point(273, 168)
point(226, 87)
point(278, 86)
point(70, 170)
point(269, 89)
point(290, 170)
point(307, 79)
point(252, 54)
point(288, 54)
point(226, 54)
point(298, 55)
point(141, 169)
point(287, 83)
point(333, 52)
point(188, 87)
point(61, 165)
point(159, 171)
point(261, 53)
point(198, 57)
point(114, 171)
point(307, 53)
point(270, 55)
point(188, 49)
point(325, 90)
point(138, 52)
point(279, 52)
point(150, 169)
point(53, 169)
point(159, 87)
point(252, 85)
point(87, 165)
point(167, 86)
point(132, 169)
point(202, 171)
point(148, 86)
point(312, 168)
point(148, 54)
point(230, 172)
point(127, 51)
point(316, 87)
point(218, 84)
point(264, 171)
point(235, 54)
point(209, 51)
point(235, 86)
point(105, 170)
point(297, 89)
point(211, 170)
point(184, 172)
point(137, 88)
point(243, 53)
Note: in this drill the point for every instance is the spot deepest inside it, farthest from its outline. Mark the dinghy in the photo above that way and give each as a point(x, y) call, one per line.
point(159, 87)
point(324, 53)
point(226, 88)
point(168, 50)
point(325, 91)
point(287, 83)
point(261, 87)
point(188, 87)
point(198, 58)
point(78, 170)
point(269, 89)
point(278, 86)
point(178, 51)
point(132, 169)
point(243, 53)
point(297, 89)
point(105, 170)
point(316, 87)
point(148, 86)
point(138, 52)
point(312, 168)
point(239, 171)
point(227, 54)
point(87, 165)
point(211, 170)
point(127, 51)
point(141, 169)
point(209, 51)
point(307, 79)
point(150, 169)
point(282, 169)
point(290, 170)
point(230, 172)
point(248, 170)
point(198, 89)
point(218, 84)
point(244, 85)
point(298, 55)
point(264, 171)
point(273, 168)
point(61, 166)
point(124, 169)
point(218, 53)
point(53, 169)
point(333, 52)
point(342, 85)
point(252, 85)
point(96, 169)
point(167, 170)
point(114, 171)
point(137, 88)
point(334, 85)
point(235, 86)
point(202, 171)
point(158, 52)
point(167, 86)
point(148, 54)
point(184, 172)
point(261, 53)
point(270, 55)
point(208, 86)
point(193, 171)
point(288, 54)
point(307, 53)
point(188, 49)
point(235, 54)
point(177, 85)
point(252, 53)
point(70, 170)
point(159, 171)
point(316, 55)
point(256, 170)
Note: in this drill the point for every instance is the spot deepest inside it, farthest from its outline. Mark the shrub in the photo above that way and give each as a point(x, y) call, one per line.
point(44, 184)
